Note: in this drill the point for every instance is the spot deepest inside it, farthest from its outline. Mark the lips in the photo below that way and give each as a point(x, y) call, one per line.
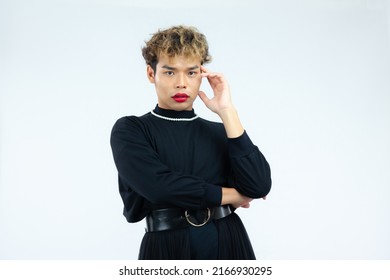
point(180, 97)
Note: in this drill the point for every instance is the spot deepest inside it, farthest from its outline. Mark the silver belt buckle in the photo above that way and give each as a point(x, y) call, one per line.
point(198, 225)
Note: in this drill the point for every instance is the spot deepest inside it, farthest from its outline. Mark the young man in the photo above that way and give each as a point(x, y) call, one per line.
point(184, 174)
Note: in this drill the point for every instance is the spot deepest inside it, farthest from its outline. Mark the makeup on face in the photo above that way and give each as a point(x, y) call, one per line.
point(180, 97)
point(177, 81)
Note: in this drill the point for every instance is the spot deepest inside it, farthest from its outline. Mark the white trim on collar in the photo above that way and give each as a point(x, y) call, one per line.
point(174, 119)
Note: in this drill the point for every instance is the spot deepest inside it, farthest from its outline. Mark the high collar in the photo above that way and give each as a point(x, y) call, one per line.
point(173, 115)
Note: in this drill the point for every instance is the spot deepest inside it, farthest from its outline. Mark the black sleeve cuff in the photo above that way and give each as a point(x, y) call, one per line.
point(213, 196)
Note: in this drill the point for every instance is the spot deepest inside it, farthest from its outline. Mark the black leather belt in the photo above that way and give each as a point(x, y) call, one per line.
point(175, 218)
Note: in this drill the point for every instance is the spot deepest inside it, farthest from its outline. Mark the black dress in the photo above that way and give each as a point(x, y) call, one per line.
point(169, 158)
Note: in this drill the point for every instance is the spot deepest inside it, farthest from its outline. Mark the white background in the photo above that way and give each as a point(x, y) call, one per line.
point(311, 81)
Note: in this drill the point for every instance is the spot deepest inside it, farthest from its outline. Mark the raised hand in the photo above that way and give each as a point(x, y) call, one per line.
point(221, 100)
point(221, 103)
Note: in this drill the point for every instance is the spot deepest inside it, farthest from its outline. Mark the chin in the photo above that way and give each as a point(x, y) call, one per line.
point(182, 106)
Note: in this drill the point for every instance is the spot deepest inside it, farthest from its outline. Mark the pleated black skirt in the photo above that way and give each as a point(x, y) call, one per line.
point(223, 239)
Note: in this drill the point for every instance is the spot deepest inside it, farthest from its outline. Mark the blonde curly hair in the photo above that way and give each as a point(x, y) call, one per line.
point(177, 40)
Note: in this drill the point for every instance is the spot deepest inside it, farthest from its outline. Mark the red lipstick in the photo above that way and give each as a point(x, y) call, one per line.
point(180, 97)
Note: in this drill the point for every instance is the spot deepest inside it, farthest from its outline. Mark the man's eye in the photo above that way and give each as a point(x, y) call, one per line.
point(169, 73)
point(192, 73)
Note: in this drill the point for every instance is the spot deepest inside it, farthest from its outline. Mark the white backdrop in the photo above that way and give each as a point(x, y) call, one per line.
point(311, 81)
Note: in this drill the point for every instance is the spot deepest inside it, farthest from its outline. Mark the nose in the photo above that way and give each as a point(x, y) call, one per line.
point(181, 82)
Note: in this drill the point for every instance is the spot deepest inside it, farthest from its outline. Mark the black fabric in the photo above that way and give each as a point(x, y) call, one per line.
point(223, 239)
point(233, 239)
point(183, 164)
point(204, 242)
point(166, 245)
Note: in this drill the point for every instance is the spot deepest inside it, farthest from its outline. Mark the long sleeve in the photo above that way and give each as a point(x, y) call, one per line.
point(142, 172)
point(251, 171)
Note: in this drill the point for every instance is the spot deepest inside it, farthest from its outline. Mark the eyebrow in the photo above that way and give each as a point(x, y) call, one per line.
point(173, 68)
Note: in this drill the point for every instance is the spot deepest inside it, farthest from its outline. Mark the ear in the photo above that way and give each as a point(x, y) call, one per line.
point(150, 74)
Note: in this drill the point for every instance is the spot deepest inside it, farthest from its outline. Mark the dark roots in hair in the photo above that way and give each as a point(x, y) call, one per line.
point(177, 40)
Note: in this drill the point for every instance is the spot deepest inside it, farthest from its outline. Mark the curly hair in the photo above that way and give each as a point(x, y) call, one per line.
point(177, 40)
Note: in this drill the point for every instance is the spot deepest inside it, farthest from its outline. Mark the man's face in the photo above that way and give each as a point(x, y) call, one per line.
point(177, 81)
